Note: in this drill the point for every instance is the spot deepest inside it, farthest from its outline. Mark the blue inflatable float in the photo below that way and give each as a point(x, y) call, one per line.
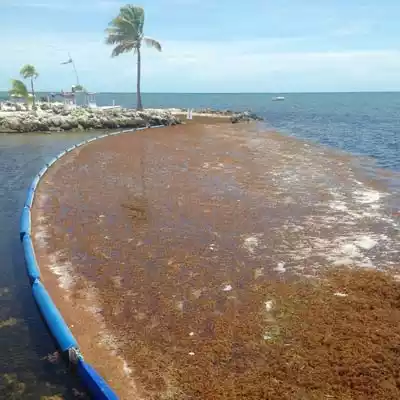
point(62, 154)
point(52, 161)
point(96, 385)
point(157, 126)
point(25, 225)
point(30, 197)
point(53, 318)
point(35, 182)
point(32, 266)
point(42, 171)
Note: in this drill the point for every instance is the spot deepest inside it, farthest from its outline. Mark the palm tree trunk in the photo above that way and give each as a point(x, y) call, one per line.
point(139, 104)
point(33, 94)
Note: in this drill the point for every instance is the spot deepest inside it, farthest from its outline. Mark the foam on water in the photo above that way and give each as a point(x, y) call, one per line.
point(337, 219)
point(62, 269)
point(251, 243)
point(367, 196)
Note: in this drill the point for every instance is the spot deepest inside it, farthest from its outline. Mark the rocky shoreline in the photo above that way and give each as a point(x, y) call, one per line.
point(56, 118)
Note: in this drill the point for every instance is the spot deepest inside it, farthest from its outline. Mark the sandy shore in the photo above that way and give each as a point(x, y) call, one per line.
point(188, 262)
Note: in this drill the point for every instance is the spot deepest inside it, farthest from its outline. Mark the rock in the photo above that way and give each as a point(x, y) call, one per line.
point(246, 116)
point(42, 127)
point(12, 123)
point(55, 121)
point(55, 129)
point(110, 124)
point(45, 106)
point(55, 117)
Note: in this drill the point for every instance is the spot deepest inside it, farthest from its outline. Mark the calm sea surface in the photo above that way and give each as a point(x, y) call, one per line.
point(360, 123)
point(366, 124)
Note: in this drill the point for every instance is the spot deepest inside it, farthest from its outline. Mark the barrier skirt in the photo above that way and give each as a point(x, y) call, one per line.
point(96, 385)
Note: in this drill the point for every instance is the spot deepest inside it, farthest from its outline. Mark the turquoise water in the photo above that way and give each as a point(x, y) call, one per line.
point(360, 123)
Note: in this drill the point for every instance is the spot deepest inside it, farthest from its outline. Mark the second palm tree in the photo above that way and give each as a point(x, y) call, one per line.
point(28, 71)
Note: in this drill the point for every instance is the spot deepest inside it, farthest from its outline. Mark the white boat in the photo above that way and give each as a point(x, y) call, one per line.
point(91, 103)
point(107, 107)
point(278, 98)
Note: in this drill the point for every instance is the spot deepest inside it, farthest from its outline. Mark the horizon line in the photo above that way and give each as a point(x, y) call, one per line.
point(202, 93)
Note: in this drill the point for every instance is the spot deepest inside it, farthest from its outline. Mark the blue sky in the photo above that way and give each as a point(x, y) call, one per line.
point(210, 45)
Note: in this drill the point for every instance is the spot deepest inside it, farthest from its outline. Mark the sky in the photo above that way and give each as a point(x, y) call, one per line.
point(209, 45)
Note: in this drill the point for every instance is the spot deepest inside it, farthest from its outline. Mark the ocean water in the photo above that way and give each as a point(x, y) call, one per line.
point(365, 124)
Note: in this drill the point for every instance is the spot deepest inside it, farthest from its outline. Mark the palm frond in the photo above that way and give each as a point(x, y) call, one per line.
point(123, 27)
point(135, 16)
point(125, 31)
point(118, 37)
point(129, 22)
point(29, 71)
point(152, 43)
point(122, 48)
point(18, 89)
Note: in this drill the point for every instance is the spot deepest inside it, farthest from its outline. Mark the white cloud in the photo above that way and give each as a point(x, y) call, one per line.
point(260, 65)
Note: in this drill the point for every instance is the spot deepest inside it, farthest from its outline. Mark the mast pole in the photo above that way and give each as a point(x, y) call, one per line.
point(76, 72)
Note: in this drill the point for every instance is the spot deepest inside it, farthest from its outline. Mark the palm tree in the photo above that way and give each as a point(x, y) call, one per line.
point(29, 71)
point(19, 90)
point(126, 32)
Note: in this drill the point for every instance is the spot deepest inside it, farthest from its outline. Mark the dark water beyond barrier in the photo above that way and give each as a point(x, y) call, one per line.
point(28, 364)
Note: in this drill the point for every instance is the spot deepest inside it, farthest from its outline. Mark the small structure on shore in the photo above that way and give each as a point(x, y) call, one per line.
point(82, 98)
